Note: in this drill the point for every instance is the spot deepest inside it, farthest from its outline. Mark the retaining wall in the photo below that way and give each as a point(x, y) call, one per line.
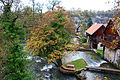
point(113, 56)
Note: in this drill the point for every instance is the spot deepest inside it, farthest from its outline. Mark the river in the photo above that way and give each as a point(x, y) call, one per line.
point(41, 70)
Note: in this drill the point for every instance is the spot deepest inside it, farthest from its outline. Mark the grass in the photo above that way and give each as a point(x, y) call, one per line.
point(78, 64)
point(100, 51)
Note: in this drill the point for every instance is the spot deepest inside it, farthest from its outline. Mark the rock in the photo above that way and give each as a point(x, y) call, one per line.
point(82, 77)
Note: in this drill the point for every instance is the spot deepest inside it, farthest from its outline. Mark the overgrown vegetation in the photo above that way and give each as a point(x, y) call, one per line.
point(15, 62)
point(50, 38)
point(83, 40)
point(100, 51)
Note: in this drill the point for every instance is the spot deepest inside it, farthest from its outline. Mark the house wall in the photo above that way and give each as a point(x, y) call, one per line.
point(100, 31)
point(99, 46)
point(113, 56)
point(96, 37)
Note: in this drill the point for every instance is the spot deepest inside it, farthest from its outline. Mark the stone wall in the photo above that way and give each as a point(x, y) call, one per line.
point(113, 56)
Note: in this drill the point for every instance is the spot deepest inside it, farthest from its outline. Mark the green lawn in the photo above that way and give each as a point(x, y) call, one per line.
point(79, 64)
point(100, 51)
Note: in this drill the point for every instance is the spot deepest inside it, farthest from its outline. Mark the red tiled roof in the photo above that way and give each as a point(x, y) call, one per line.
point(93, 28)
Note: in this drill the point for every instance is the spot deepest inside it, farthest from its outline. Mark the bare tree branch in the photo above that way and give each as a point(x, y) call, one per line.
point(2, 2)
point(52, 3)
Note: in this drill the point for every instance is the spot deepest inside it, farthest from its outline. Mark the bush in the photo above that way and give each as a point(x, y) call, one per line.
point(83, 40)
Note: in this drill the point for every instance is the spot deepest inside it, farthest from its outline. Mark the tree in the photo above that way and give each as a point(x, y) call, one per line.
point(85, 20)
point(26, 17)
point(89, 23)
point(2, 53)
point(50, 38)
point(117, 16)
point(33, 6)
point(116, 27)
point(39, 8)
point(16, 62)
point(52, 3)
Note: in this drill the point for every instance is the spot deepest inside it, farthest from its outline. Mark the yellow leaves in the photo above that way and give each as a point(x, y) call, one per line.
point(55, 55)
point(46, 39)
point(117, 19)
point(115, 43)
point(51, 42)
point(34, 45)
point(71, 47)
point(51, 16)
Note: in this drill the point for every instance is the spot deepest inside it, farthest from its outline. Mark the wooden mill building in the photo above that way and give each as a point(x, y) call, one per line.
point(95, 34)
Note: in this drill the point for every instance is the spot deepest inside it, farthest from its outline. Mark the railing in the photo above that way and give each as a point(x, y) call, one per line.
point(101, 69)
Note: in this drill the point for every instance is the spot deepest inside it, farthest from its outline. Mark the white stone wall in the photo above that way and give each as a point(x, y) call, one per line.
point(99, 46)
point(117, 56)
point(112, 55)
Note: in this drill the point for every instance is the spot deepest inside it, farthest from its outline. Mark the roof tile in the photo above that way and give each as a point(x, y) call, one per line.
point(93, 28)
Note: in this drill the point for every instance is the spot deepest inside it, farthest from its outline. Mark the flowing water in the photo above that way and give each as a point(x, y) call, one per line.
point(92, 59)
point(41, 70)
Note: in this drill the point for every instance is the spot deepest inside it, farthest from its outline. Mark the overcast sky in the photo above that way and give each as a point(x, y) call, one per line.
point(82, 4)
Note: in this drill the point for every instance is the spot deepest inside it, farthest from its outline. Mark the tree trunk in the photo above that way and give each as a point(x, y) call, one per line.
point(59, 62)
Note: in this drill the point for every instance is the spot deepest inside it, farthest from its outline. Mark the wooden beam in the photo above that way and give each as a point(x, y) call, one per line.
point(102, 69)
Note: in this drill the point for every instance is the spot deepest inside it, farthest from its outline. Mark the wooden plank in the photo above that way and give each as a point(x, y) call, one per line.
point(72, 69)
point(103, 69)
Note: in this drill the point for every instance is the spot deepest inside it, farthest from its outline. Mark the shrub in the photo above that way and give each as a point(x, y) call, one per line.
point(83, 40)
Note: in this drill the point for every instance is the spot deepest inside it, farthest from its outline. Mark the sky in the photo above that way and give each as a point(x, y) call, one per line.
point(82, 4)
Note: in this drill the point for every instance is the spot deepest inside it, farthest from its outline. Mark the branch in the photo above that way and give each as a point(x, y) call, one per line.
point(14, 20)
point(55, 64)
point(11, 2)
point(2, 2)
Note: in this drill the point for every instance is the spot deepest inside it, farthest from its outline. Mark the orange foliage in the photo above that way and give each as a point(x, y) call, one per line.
point(46, 40)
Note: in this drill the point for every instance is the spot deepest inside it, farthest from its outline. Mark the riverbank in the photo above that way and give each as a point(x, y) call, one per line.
point(74, 67)
point(41, 70)
point(92, 59)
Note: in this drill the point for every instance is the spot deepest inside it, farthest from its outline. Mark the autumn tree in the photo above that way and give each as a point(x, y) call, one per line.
point(50, 38)
point(117, 15)
point(116, 19)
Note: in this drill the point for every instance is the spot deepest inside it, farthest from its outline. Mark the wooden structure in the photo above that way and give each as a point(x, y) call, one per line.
point(69, 67)
point(109, 33)
point(102, 69)
point(95, 34)
point(65, 70)
point(111, 44)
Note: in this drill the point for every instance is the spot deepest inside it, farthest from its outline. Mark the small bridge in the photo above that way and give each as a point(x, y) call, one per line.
point(101, 69)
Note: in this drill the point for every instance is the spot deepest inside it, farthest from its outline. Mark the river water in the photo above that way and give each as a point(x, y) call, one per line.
point(41, 70)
